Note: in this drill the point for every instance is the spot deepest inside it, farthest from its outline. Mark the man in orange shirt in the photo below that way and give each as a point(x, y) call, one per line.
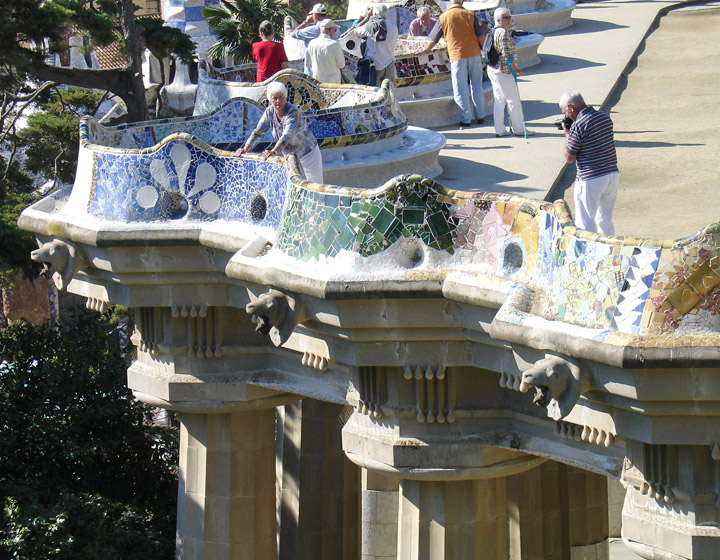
point(462, 33)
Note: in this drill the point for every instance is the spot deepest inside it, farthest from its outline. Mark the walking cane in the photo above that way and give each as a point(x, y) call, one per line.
point(509, 61)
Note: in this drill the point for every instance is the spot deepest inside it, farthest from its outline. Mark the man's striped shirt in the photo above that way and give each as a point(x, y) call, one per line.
point(591, 142)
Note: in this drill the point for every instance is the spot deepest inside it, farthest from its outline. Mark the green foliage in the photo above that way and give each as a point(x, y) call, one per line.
point(15, 244)
point(51, 137)
point(164, 41)
point(32, 29)
point(235, 23)
point(337, 11)
point(83, 474)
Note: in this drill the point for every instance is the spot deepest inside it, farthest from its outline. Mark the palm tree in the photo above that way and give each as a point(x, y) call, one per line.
point(235, 24)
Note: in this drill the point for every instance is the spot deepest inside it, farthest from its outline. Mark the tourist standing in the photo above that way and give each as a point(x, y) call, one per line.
point(423, 24)
point(503, 76)
point(270, 55)
point(462, 33)
point(289, 129)
point(382, 36)
point(590, 143)
point(326, 54)
point(310, 29)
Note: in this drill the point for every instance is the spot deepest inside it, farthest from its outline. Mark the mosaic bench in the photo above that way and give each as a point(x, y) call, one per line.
point(180, 179)
point(549, 276)
point(619, 291)
point(349, 121)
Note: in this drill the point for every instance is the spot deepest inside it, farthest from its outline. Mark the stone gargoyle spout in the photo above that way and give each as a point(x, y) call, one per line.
point(559, 382)
point(276, 314)
point(61, 261)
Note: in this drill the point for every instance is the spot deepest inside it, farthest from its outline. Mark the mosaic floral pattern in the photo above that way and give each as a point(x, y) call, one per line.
point(183, 179)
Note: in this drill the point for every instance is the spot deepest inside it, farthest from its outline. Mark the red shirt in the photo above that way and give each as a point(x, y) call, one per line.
point(269, 55)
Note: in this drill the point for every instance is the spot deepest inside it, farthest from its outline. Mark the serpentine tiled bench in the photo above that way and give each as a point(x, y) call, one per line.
point(375, 143)
point(612, 290)
point(621, 291)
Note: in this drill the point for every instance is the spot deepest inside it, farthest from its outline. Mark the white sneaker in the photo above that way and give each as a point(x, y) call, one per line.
point(526, 133)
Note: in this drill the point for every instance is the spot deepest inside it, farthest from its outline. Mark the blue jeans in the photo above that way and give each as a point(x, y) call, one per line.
point(467, 79)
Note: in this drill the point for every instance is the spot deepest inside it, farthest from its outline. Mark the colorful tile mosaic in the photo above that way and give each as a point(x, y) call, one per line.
point(341, 115)
point(612, 285)
point(184, 179)
point(624, 291)
point(410, 69)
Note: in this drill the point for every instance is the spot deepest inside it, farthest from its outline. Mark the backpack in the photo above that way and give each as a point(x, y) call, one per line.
point(489, 52)
point(377, 28)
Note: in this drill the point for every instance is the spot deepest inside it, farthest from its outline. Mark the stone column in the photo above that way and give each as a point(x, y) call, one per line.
point(557, 512)
point(537, 513)
point(587, 510)
point(318, 496)
point(380, 504)
point(453, 520)
point(226, 497)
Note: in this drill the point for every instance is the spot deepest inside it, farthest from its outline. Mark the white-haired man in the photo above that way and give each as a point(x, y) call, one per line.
point(462, 33)
point(503, 78)
point(382, 36)
point(326, 54)
point(589, 142)
point(310, 29)
point(423, 24)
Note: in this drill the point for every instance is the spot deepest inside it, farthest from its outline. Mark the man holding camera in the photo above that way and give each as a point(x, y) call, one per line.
point(589, 142)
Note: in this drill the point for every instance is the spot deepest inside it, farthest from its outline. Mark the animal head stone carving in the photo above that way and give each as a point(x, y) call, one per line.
point(276, 314)
point(61, 261)
point(558, 381)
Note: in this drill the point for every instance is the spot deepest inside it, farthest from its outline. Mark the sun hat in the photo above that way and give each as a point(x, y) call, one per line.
point(319, 9)
point(327, 24)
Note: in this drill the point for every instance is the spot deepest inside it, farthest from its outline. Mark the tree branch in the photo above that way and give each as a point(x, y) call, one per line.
point(18, 114)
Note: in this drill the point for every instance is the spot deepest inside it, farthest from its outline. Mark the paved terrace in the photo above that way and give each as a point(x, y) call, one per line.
point(623, 56)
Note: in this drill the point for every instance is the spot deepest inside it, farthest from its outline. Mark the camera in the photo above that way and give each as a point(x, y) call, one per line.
point(567, 121)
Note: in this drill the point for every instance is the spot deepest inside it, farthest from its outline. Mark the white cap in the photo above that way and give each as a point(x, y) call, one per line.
point(319, 9)
point(327, 24)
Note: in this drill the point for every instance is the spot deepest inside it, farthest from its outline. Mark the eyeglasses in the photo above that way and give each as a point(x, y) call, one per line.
point(507, 17)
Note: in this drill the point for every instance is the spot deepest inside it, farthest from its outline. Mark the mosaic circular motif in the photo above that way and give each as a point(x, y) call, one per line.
point(147, 196)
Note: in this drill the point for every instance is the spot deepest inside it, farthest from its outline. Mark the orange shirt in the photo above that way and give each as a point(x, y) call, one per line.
point(458, 27)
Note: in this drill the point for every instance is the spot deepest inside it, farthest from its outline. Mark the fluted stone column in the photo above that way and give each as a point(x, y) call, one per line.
point(453, 520)
point(226, 498)
point(380, 505)
point(318, 496)
point(587, 508)
point(557, 512)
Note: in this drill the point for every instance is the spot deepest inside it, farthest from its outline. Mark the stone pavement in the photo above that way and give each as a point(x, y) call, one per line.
point(661, 101)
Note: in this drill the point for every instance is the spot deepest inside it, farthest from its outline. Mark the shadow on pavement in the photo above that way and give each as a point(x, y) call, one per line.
point(557, 64)
point(581, 26)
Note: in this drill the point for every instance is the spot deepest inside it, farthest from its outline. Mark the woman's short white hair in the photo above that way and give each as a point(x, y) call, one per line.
point(276, 87)
point(423, 10)
point(499, 13)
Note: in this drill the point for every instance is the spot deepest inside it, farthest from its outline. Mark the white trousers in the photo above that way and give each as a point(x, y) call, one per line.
point(594, 203)
point(505, 92)
point(311, 165)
